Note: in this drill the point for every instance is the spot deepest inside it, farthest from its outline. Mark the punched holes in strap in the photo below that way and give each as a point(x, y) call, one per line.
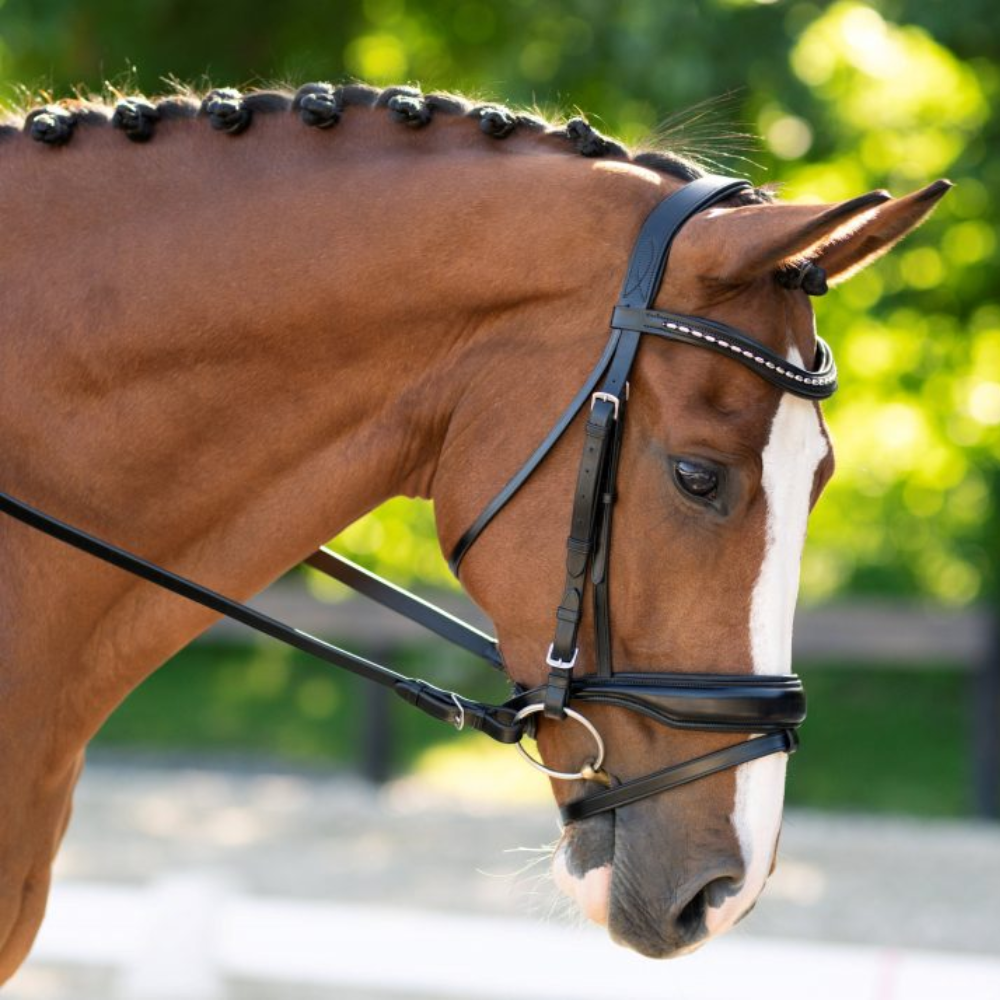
point(563, 651)
point(602, 549)
point(603, 430)
point(616, 388)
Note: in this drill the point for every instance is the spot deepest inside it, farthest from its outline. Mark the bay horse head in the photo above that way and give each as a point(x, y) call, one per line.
point(249, 319)
point(719, 469)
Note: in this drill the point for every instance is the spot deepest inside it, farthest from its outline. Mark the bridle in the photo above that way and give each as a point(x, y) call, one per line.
point(768, 708)
point(771, 706)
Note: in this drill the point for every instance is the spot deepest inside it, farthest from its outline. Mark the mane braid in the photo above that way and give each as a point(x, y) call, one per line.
point(321, 105)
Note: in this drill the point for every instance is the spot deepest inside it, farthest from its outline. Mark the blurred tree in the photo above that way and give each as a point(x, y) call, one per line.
point(846, 96)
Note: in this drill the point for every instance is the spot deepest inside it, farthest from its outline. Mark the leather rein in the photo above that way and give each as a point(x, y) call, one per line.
point(768, 708)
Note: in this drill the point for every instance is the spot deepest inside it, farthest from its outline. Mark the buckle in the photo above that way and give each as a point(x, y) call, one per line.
point(459, 722)
point(608, 398)
point(554, 661)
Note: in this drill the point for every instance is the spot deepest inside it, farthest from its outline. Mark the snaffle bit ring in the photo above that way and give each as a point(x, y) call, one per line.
point(590, 771)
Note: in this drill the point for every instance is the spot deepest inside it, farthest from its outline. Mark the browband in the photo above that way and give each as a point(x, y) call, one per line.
point(819, 382)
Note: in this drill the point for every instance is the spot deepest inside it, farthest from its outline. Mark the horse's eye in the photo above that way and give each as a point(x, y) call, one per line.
point(700, 481)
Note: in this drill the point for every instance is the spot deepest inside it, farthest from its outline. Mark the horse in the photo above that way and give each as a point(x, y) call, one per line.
point(234, 323)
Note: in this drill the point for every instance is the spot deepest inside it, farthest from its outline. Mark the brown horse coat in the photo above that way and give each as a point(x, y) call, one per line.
point(217, 350)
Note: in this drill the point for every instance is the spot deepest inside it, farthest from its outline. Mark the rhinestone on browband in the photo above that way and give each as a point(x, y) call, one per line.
point(817, 383)
point(749, 355)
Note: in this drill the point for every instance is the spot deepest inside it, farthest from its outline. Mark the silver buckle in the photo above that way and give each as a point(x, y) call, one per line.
point(553, 661)
point(608, 398)
point(459, 723)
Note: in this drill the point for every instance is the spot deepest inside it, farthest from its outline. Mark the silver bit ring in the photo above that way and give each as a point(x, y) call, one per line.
point(590, 770)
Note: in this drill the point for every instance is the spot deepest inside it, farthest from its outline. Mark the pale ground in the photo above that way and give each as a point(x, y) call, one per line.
point(202, 882)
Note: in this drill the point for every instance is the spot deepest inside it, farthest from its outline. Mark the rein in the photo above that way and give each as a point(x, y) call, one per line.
point(771, 707)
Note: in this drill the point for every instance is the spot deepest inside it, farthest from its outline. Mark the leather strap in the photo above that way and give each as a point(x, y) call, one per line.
point(425, 614)
point(637, 789)
point(602, 551)
point(535, 459)
point(733, 703)
point(496, 721)
point(579, 546)
point(819, 382)
point(603, 431)
point(601, 428)
point(652, 247)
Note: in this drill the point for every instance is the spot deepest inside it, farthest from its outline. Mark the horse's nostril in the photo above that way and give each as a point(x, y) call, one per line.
point(690, 919)
point(720, 889)
point(674, 922)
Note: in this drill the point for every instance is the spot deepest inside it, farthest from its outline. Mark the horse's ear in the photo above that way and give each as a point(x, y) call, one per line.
point(879, 233)
point(840, 238)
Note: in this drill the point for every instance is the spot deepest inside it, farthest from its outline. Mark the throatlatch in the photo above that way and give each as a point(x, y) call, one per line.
point(772, 707)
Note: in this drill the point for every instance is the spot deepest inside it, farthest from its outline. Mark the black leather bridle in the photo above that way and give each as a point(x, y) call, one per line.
point(768, 708)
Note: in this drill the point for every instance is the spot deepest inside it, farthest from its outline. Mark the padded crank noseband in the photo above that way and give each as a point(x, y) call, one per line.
point(770, 706)
point(723, 703)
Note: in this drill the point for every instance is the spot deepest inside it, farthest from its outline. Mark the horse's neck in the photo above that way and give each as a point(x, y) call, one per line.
point(221, 353)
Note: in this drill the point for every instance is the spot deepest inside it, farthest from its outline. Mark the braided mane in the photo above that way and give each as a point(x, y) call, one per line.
point(321, 105)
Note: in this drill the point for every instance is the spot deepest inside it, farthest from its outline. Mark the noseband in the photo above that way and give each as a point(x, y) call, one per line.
point(768, 708)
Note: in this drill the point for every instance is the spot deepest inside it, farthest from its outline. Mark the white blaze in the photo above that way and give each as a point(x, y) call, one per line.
point(795, 448)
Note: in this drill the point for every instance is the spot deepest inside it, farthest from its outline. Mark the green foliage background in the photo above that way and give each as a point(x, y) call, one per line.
point(845, 97)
